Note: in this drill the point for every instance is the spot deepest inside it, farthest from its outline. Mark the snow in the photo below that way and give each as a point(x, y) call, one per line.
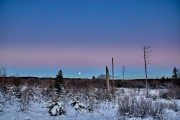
point(102, 109)
point(54, 110)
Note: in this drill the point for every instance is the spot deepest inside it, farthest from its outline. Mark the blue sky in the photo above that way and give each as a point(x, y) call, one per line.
point(38, 37)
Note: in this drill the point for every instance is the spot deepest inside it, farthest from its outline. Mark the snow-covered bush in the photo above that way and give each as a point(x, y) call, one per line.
point(171, 93)
point(78, 106)
point(157, 110)
point(25, 99)
point(174, 106)
point(2, 100)
point(56, 109)
point(126, 106)
point(163, 94)
point(142, 107)
point(174, 92)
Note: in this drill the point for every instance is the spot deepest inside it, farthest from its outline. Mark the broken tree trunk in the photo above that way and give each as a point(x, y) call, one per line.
point(107, 82)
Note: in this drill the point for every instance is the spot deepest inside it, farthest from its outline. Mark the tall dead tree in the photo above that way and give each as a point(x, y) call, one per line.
point(123, 71)
point(113, 75)
point(146, 62)
point(107, 82)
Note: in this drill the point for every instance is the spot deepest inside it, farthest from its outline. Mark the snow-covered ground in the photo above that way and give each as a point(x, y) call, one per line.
point(81, 105)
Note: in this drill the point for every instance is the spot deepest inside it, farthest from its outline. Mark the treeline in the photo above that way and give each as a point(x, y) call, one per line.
point(79, 82)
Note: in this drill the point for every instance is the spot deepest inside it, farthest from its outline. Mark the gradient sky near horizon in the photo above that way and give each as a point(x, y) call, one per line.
point(40, 37)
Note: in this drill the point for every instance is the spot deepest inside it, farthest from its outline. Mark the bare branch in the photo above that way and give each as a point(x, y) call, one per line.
point(146, 62)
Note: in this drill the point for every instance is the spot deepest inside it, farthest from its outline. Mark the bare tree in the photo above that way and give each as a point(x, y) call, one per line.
point(101, 76)
point(146, 62)
point(123, 71)
point(113, 75)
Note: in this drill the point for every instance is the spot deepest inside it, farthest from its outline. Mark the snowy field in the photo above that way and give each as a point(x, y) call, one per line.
point(25, 103)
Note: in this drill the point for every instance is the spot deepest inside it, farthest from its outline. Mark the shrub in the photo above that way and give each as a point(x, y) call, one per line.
point(56, 109)
point(132, 107)
point(174, 106)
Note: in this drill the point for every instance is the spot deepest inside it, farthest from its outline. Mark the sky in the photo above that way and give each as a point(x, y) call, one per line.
point(41, 37)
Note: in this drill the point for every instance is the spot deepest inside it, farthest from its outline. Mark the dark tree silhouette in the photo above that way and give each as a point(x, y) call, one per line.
point(93, 77)
point(174, 73)
point(178, 73)
point(59, 81)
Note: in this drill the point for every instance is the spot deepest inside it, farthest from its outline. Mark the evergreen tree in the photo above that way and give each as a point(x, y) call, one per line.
point(178, 73)
point(174, 73)
point(59, 81)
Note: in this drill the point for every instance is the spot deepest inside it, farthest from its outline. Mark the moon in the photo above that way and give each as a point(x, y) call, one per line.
point(79, 73)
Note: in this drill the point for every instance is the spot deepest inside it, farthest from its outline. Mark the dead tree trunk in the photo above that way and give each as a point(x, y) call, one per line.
point(107, 82)
point(113, 76)
point(146, 62)
point(123, 71)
